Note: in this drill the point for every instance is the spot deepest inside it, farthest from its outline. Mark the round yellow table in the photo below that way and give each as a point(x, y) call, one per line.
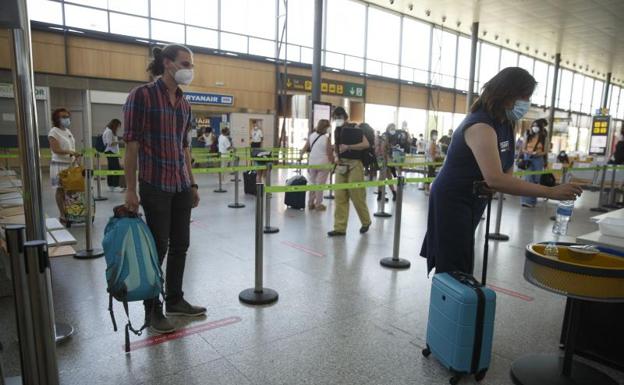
point(595, 278)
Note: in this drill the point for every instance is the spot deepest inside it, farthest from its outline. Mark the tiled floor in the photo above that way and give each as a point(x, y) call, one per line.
point(341, 317)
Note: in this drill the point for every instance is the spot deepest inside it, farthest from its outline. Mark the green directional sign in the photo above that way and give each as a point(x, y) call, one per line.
point(354, 90)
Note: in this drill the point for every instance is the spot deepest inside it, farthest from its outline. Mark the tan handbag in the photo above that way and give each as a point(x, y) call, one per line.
point(72, 179)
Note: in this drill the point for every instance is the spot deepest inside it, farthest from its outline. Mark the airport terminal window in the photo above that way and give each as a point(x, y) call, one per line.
point(508, 58)
point(301, 22)
point(374, 67)
point(540, 73)
point(235, 43)
point(306, 55)
point(334, 60)
point(464, 46)
point(588, 91)
point(345, 29)
point(614, 96)
point(597, 99)
point(383, 38)
point(620, 109)
point(249, 17)
point(565, 90)
point(167, 32)
point(443, 58)
point(262, 47)
point(135, 7)
point(415, 52)
point(379, 116)
point(526, 62)
point(202, 37)
point(577, 97)
point(490, 56)
point(46, 11)
point(129, 25)
point(294, 52)
point(201, 13)
point(354, 64)
point(103, 4)
point(416, 120)
point(162, 9)
point(86, 18)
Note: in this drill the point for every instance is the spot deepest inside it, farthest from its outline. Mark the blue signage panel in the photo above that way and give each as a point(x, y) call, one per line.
point(204, 98)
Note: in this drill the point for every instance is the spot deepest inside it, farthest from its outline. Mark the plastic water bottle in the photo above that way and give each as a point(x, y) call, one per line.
point(551, 249)
point(564, 212)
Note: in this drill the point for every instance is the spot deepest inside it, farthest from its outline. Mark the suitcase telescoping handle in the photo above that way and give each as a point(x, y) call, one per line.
point(483, 191)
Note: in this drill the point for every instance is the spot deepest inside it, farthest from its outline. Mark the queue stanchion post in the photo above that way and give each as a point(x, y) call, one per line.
point(98, 186)
point(611, 198)
point(331, 181)
point(236, 204)
point(395, 262)
point(259, 295)
point(268, 229)
point(601, 202)
point(497, 236)
point(14, 235)
point(236, 164)
point(220, 188)
point(381, 198)
point(40, 297)
point(89, 251)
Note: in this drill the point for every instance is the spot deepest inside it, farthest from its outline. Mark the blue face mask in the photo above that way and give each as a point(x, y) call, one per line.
point(520, 108)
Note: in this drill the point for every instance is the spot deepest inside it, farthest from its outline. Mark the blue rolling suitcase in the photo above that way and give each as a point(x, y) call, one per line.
point(461, 320)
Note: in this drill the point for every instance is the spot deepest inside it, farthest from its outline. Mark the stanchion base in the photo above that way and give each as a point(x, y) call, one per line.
point(89, 254)
point(236, 205)
point(252, 297)
point(99, 199)
point(270, 230)
point(382, 215)
point(220, 191)
point(330, 197)
point(395, 263)
point(63, 332)
point(498, 237)
point(599, 210)
point(546, 369)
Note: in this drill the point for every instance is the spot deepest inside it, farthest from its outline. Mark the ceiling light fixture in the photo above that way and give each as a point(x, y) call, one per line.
point(428, 12)
point(410, 6)
point(495, 37)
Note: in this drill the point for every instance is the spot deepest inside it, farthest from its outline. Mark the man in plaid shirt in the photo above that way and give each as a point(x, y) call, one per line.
point(157, 122)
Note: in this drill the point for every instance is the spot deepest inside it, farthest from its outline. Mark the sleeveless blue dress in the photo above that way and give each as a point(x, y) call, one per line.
point(454, 211)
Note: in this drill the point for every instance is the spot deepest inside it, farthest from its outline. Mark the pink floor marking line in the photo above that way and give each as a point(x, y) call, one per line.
point(511, 293)
point(159, 339)
point(303, 248)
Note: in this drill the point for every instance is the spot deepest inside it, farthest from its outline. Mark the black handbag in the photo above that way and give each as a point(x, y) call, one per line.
point(523, 164)
point(548, 180)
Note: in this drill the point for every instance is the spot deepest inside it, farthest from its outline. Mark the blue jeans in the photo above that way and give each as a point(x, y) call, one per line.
point(535, 164)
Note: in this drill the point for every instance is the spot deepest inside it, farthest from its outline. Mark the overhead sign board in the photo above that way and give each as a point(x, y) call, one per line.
point(6, 91)
point(599, 135)
point(209, 99)
point(328, 86)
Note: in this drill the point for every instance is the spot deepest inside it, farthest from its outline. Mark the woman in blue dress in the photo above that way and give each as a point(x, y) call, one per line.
point(482, 149)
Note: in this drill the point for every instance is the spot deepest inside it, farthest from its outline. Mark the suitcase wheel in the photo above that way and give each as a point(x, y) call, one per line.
point(455, 379)
point(480, 374)
point(426, 352)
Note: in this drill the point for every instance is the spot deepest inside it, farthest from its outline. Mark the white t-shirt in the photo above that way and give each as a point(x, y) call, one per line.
point(65, 140)
point(256, 135)
point(209, 139)
point(428, 156)
point(224, 144)
point(421, 145)
point(109, 138)
point(318, 152)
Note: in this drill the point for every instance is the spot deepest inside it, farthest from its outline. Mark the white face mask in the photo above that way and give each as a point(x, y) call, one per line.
point(535, 129)
point(339, 122)
point(65, 122)
point(183, 76)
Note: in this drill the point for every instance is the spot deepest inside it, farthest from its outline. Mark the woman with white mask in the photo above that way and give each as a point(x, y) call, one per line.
point(535, 155)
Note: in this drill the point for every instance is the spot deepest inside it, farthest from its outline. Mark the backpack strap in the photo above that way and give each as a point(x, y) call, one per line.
point(129, 327)
point(110, 310)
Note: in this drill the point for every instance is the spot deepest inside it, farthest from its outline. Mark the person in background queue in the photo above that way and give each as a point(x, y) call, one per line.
point(63, 148)
point(482, 149)
point(157, 119)
point(256, 136)
point(320, 152)
point(445, 142)
point(110, 139)
point(350, 142)
point(534, 152)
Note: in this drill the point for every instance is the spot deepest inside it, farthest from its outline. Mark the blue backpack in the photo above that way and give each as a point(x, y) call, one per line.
point(100, 146)
point(132, 268)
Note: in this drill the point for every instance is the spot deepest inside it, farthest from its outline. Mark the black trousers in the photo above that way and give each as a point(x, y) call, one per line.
point(113, 164)
point(168, 215)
